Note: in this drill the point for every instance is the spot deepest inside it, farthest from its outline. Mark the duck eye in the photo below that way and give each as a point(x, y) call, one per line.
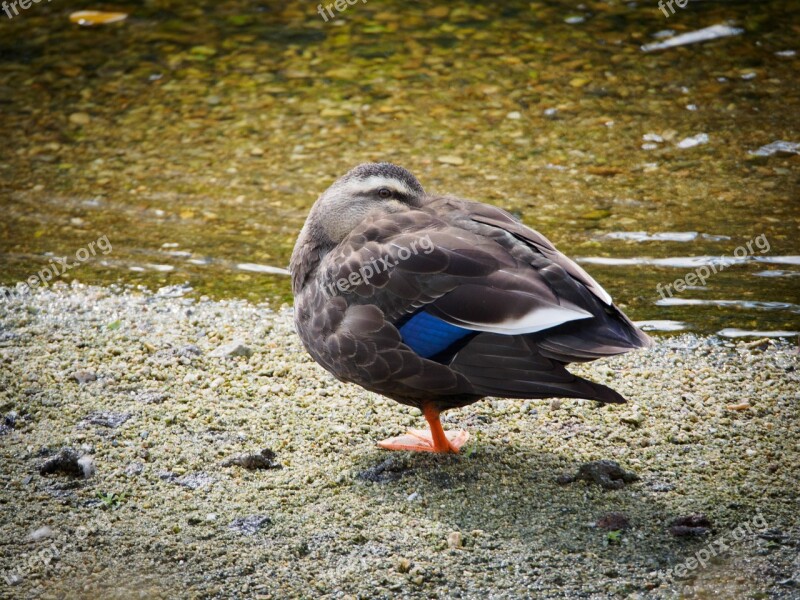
point(385, 193)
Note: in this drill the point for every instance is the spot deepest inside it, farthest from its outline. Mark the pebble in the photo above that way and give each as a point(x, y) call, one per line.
point(133, 469)
point(455, 540)
point(40, 534)
point(739, 407)
point(778, 148)
point(104, 418)
point(86, 465)
point(79, 118)
point(83, 377)
point(634, 419)
point(695, 140)
point(235, 348)
point(191, 377)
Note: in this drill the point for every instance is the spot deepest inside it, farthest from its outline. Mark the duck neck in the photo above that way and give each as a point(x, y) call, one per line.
point(309, 250)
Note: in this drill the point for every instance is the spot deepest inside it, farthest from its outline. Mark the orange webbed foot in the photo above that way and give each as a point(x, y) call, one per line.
point(422, 441)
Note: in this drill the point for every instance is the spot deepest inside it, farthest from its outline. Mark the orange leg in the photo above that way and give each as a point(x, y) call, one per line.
point(435, 440)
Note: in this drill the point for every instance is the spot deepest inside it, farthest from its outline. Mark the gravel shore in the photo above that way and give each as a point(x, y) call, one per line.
point(211, 458)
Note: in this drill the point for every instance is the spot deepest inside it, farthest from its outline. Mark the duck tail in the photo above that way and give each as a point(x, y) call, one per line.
point(512, 367)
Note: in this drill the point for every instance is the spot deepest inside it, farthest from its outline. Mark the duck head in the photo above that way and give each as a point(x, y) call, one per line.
point(364, 190)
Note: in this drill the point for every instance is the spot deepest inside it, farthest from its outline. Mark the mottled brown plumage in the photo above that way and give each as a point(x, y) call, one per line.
point(525, 309)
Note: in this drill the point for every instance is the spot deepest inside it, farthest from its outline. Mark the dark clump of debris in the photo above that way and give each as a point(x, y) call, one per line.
point(613, 521)
point(8, 423)
point(389, 470)
point(260, 460)
point(690, 526)
point(68, 462)
point(605, 473)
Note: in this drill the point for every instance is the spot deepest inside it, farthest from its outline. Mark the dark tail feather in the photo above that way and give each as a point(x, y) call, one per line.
point(511, 367)
point(608, 334)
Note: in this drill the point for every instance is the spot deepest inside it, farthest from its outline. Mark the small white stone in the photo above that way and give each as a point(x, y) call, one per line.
point(454, 539)
point(695, 140)
point(42, 533)
point(86, 463)
point(235, 348)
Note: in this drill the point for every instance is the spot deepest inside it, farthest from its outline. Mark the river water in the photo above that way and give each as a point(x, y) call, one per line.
point(194, 137)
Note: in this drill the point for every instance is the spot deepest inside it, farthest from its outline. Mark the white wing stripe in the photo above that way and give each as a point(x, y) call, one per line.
point(538, 320)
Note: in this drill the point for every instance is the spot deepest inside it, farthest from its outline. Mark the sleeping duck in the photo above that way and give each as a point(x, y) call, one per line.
point(437, 302)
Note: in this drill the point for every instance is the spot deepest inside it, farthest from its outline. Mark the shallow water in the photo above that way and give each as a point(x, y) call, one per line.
point(196, 136)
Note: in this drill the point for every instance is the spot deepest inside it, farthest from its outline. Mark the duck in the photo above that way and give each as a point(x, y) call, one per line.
point(437, 302)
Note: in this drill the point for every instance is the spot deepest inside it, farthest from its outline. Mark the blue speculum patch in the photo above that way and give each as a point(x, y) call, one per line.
point(428, 335)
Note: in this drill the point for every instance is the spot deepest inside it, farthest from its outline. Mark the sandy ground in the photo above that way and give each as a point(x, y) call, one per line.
point(146, 391)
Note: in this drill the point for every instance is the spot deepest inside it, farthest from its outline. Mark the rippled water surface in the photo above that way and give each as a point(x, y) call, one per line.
point(195, 136)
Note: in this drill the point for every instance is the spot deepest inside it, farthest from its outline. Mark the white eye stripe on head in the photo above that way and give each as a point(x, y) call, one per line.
point(374, 183)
